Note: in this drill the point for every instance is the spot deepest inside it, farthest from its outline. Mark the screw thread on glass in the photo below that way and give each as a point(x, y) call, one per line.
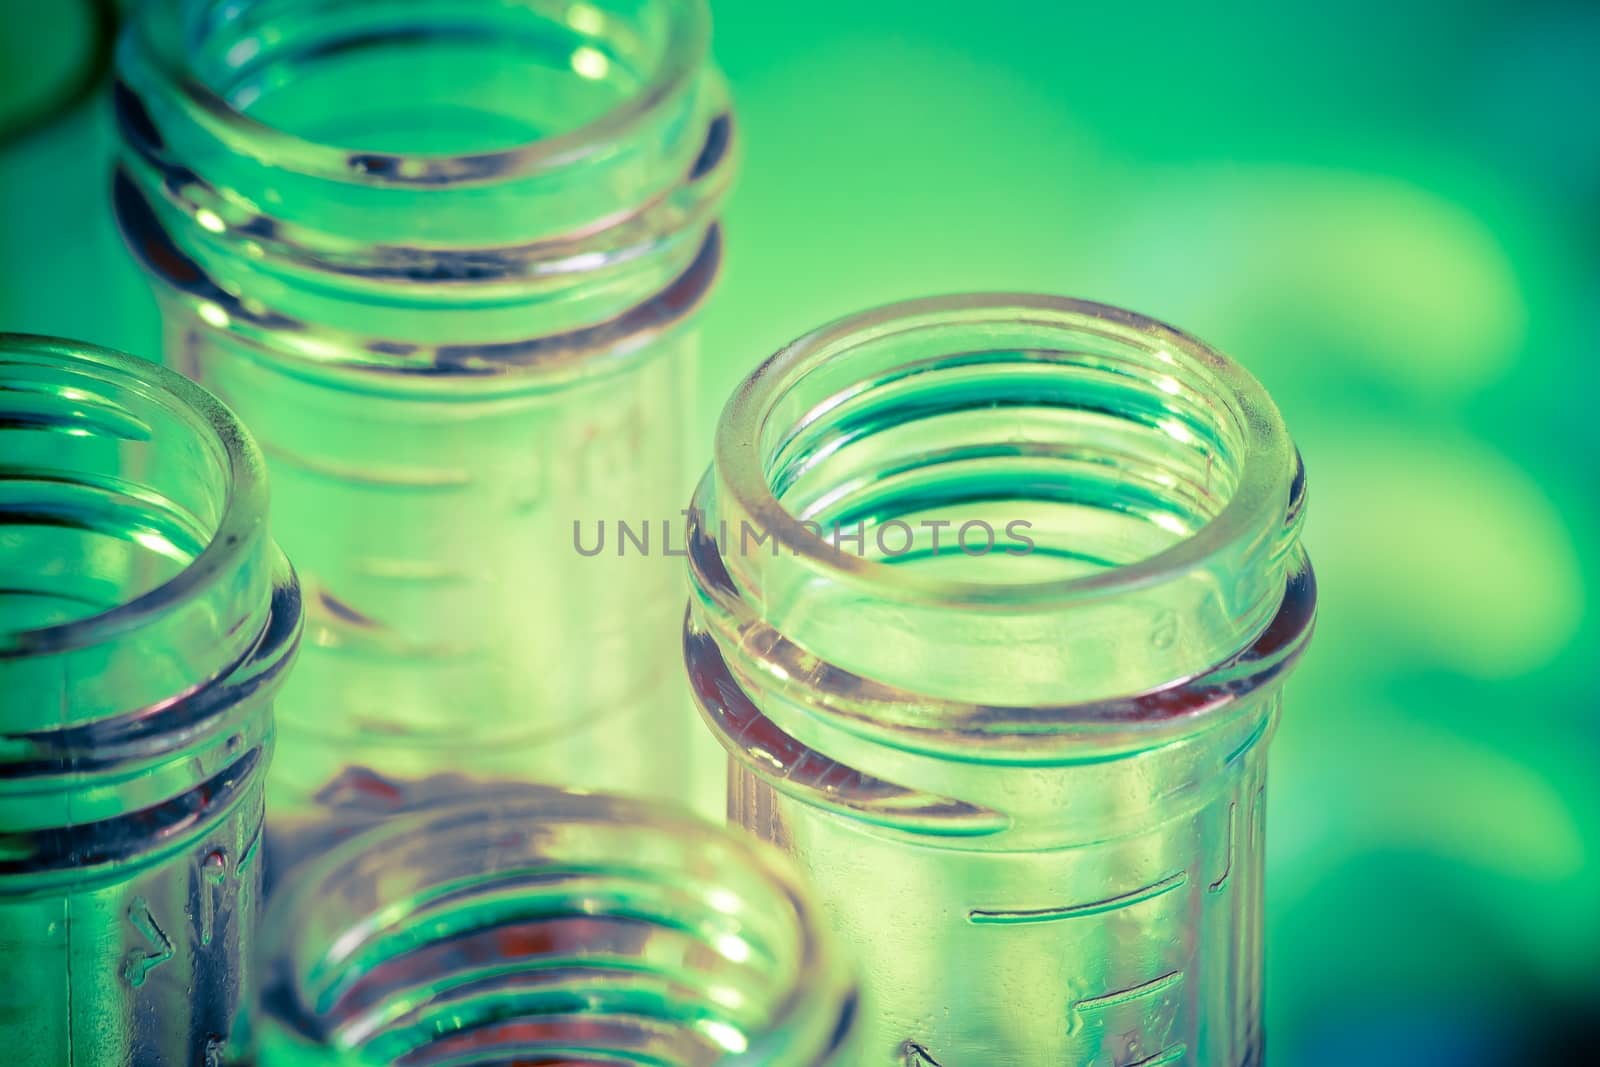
point(1003, 674)
point(146, 621)
point(528, 925)
point(444, 259)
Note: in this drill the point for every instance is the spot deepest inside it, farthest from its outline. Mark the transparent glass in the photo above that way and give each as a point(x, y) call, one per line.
point(1024, 763)
point(524, 925)
point(444, 259)
point(146, 620)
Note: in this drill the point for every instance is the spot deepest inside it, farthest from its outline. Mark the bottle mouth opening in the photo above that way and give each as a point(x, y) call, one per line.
point(1003, 449)
point(125, 491)
point(539, 926)
point(423, 92)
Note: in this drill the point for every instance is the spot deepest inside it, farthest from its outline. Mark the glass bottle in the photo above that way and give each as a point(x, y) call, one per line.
point(146, 620)
point(993, 597)
point(444, 259)
point(529, 925)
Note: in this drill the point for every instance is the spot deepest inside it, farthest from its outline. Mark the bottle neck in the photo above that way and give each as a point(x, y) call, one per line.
point(953, 538)
point(522, 922)
point(565, 174)
point(1006, 501)
point(145, 615)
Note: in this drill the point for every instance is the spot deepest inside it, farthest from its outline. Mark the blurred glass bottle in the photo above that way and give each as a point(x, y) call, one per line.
point(993, 597)
point(146, 620)
point(443, 258)
point(51, 55)
point(527, 925)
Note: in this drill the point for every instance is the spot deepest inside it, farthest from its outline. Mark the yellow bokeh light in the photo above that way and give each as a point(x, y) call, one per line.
point(590, 63)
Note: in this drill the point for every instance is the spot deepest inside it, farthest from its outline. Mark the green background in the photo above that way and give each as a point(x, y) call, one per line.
point(1389, 211)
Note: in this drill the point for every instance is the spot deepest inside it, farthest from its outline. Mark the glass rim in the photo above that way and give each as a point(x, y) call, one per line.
point(1259, 502)
point(820, 966)
point(241, 520)
point(688, 36)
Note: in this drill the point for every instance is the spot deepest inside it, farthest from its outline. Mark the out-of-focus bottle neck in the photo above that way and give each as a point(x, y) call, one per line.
point(523, 922)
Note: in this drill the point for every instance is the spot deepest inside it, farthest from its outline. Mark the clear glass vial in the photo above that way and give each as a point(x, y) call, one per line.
point(993, 599)
point(146, 620)
point(444, 258)
point(530, 926)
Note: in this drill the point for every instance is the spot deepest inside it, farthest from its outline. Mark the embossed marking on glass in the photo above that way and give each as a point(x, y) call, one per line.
point(1025, 770)
point(146, 620)
point(443, 257)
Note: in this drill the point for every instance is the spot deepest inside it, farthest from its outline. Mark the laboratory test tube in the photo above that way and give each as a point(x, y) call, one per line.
point(445, 259)
point(146, 621)
point(992, 601)
point(525, 925)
